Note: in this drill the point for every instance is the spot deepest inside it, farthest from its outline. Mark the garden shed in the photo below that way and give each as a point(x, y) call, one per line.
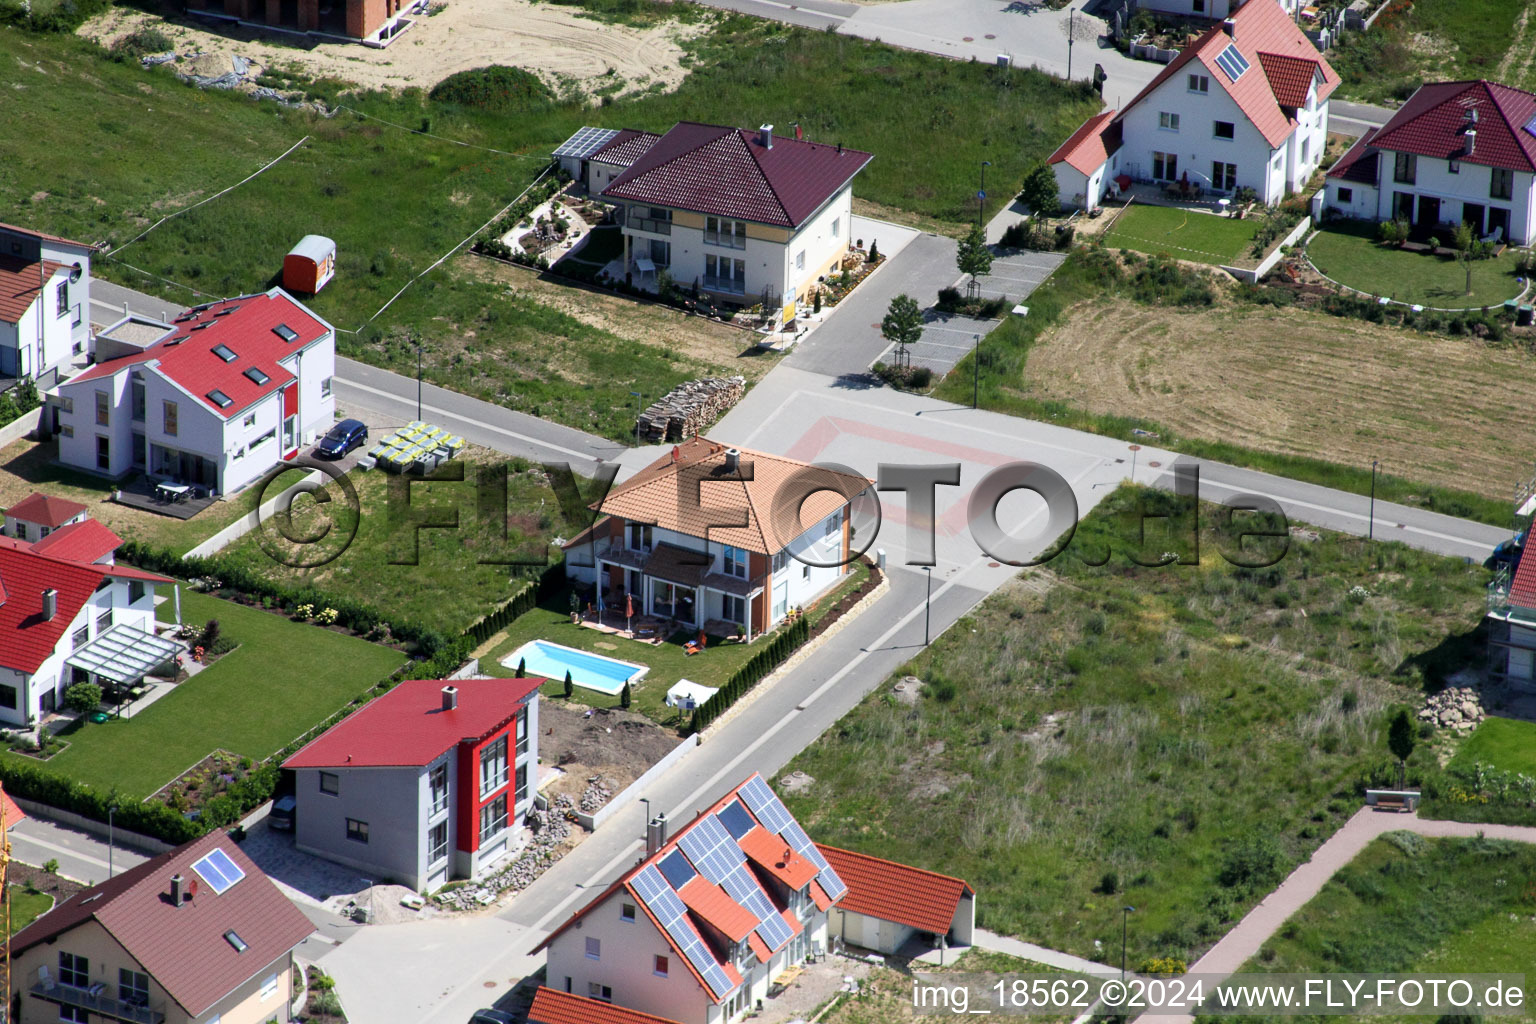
point(309, 265)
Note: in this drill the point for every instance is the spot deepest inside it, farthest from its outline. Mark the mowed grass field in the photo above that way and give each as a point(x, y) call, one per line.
point(1439, 40)
point(1173, 738)
point(1507, 744)
point(1350, 254)
point(284, 678)
point(1199, 237)
point(396, 200)
point(1298, 383)
point(1418, 907)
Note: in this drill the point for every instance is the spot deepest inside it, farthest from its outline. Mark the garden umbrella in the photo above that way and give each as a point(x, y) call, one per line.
point(629, 609)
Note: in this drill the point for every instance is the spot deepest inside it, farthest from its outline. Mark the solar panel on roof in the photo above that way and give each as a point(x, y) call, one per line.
point(218, 870)
point(832, 885)
point(1232, 61)
point(586, 142)
point(743, 888)
point(285, 332)
point(736, 819)
point(677, 870)
point(224, 352)
point(768, 808)
point(711, 848)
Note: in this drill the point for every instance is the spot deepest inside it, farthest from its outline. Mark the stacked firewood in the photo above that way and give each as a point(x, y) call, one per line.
point(689, 408)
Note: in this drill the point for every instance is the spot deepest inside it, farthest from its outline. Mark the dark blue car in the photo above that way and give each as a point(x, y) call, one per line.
point(343, 437)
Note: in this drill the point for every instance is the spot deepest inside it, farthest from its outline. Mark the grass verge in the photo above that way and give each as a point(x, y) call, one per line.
point(1349, 253)
point(1506, 744)
point(1200, 237)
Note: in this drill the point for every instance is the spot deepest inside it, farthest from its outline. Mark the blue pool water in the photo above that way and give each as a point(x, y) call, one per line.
point(595, 672)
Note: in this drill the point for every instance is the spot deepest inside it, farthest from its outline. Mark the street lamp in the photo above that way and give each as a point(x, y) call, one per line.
point(638, 398)
point(1125, 918)
point(927, 604)
point(976, 374)
point(111, 810)
point(1071, 26)
point(981, 196)
point(418, 378)
point(1371, 530)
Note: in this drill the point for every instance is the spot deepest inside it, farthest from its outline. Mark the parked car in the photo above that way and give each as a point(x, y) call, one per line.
point(343, 437)
point(1507, 553)
point(281, 815)
point(491, 1017)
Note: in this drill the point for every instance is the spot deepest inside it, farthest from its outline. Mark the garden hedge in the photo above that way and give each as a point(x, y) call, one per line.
point(752, 672)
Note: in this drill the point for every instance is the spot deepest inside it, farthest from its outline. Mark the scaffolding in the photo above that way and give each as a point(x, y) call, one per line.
point(1501, 638)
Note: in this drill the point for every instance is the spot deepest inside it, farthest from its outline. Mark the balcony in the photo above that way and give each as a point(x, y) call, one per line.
point(725, 239)
point(655, 227)
point(94, 1000)
point(724, 285)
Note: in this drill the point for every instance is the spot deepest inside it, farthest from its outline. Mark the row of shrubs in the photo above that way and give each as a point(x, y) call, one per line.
point(756, 668)
point(952, 300)
point(1036, 234)
point(550, 579)
point(906, 378)
point(1478, 323)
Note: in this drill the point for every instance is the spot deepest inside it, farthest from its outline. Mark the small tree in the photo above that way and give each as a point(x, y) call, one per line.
point(973, 256)
point(83, 698)
point(1400, 740)
point(1464, 240)
point(1040, 192)
point(874, 251)
point(522, 667)
point(624, 697)
point(903, 325)
point(570, 685)
point(210, 635)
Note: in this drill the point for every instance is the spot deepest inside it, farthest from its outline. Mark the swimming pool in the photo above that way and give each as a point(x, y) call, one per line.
point(593, 671)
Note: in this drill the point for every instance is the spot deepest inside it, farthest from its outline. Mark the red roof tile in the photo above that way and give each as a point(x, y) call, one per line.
point(84, 541)
point(1361, 162)
point(183, 948)
point(625, 148)
point(759, 948)
point(19, 283)
point(1433, 120)
point(715, 906)
point(776, 857)
point(1086, 149)
point(1290, 77)
point(13, 813)
point(408, 726)
point(896, 892)
point(1522, 588)
point(554, 1007)
point(1260, 31)
point(187, 359)
point(723, 171)
point(26, 638)
point(819, 896)
point(128, 572)
point(45, 237)
point(45, 510)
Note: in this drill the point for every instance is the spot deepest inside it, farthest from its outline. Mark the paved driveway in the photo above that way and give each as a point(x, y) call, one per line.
point(947, 338)
point(1016, 274)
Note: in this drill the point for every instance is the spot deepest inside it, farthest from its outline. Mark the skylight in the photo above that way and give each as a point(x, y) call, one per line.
point(205, 323)
point(224, 352)
point(1530, 126)
point(226, 311)
point(218, 870)
point(256, 375)
point(1232, 62)
point(286, 333)
point(220, 399)
point(234, 940)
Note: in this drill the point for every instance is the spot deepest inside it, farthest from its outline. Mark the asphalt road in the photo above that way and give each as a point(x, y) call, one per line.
point(819, 14)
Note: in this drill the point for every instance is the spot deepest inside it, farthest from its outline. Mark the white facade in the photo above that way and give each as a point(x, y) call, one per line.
point(42, 343)
point(26, 697)
point(625, 969)
point(23, 529)
point(1435, 194)
point(1214, 9)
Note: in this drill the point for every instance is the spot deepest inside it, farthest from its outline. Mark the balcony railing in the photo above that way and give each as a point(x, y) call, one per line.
point(95, 1000)
point(725, 239)
point(728, 285)
point(655, 227)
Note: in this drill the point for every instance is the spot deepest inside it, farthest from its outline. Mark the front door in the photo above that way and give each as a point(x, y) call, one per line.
point(1223, 176)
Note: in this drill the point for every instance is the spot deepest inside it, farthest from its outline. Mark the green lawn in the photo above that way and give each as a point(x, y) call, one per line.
point(1199, 237)
point(667, 661)
point(27, 907)
point(1186, 733)
point(1420, 907)
point(1350, 254)
point(284, 678)
point(1506, 744)
point(447, 588)
point(602, 246)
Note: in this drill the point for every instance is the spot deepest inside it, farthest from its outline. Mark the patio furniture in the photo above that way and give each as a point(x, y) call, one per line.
point(172, 492)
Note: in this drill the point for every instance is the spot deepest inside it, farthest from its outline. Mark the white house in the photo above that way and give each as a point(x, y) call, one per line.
point(215, 399)
point(700, 928)
point(1456, 151)
point(745, 216)
point(45, 303)
point(71, 619)
point(1216, 9)
point(428, 783)
point(37, 515)
point(1245, 104)
point(658, 544)
point(890, 904)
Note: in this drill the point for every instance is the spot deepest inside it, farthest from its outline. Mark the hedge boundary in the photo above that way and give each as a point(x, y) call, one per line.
point(756, 668)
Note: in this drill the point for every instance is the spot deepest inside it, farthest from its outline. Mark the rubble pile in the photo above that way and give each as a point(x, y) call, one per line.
point(597, 793)
point(549, 831)
point(689, 408)
point(1455, 707)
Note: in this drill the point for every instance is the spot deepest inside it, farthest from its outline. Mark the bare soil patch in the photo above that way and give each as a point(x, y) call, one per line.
point(1300, 383)
point(617, 746)
point(554, 42)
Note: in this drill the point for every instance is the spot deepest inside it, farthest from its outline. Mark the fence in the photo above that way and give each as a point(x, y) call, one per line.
point(251, 520)
point(21, 426)
point(1275, 254)
point(630, 792)
point(750, 674)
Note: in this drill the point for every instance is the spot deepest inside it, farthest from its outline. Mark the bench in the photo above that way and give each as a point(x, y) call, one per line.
point(1391, 803)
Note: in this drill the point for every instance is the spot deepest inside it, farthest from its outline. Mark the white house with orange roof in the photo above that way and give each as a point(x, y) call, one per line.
point(713, 534)
point(890, 904)
point(1245, 104)
point(214, 399)
point(699, 929)
point(45, 303)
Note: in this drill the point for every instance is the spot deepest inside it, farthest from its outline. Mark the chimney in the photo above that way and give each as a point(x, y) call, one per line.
point(1471, 140)
point(732, 460)
point(1229, 27)
point(839, 149)
point(50, 604)
point(450, 697)
point(661, 829)
point(765, 136)
point(652, 837)
point(176, 890)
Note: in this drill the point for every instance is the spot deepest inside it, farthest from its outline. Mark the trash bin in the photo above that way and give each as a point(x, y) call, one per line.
point(1525, 316)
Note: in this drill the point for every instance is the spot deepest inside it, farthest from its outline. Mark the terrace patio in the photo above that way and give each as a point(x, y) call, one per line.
point(147, 495)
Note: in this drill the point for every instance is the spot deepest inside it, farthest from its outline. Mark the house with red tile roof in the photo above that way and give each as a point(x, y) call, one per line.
point(744, 216)
point(890, 904)
point(701, 927)
point(68, 614)
point(426, 784)
point(1243, 105)
point(1455, 152)
point(553, 1007)
point(45, 303)
point(1215, 9)
point(215, 399)
point(198, 935)
point(37, 515)
point(716, 537)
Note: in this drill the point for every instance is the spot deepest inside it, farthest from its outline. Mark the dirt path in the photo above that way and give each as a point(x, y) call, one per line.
point(1300, 383)
point(1515, 68)
point(553, 41)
